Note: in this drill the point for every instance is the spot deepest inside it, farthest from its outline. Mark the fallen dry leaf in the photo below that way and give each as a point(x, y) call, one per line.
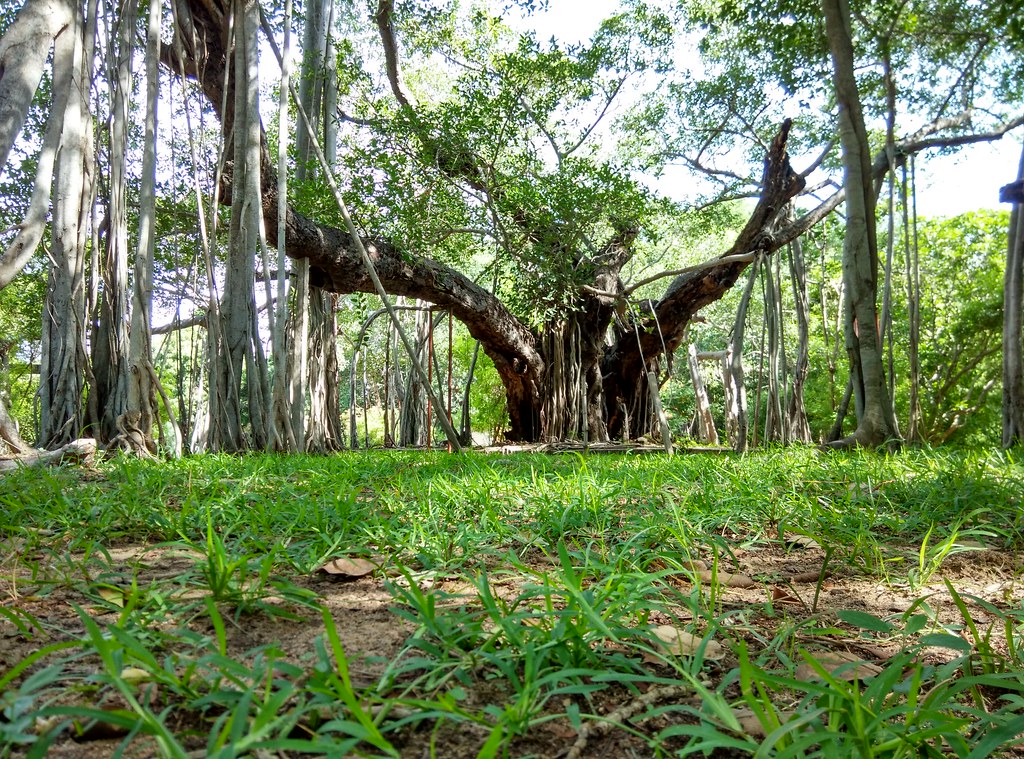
point(682, 643)
point(801, 541)
point(729, 579)
point(135, 675)
point(347, 568)
point(833, 661)
point(752, 725)
point(111, 594)
point(781, 595)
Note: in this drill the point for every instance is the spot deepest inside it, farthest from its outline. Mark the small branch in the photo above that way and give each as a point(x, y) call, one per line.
point(625, 712)
point(736, 258)
point(350, 119)
point(608, 104)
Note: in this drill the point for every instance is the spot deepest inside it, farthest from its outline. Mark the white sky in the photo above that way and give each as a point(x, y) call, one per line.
point(949, 185)
point(946, 185)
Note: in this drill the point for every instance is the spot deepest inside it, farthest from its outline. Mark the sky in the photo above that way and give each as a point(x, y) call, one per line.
point(947, 185)
point(970, 180)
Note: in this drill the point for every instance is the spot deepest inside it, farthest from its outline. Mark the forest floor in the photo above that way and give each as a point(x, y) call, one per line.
point(417, 605)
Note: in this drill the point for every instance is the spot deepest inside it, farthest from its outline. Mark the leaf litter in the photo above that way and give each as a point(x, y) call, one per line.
point(837, 606)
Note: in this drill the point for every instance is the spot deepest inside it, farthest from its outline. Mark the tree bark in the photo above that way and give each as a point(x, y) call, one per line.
point(876, 423)
point(63, 363)
point(1013, 328)
point(38, 23)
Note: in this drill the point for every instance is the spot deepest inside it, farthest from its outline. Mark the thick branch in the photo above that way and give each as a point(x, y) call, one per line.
point(385, 12)
point(916, 143)
point(693, 290)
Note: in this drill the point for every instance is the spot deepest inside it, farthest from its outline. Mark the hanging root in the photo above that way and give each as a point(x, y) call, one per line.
point(130, 437)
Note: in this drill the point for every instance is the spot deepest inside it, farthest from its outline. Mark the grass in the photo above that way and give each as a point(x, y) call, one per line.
point(529, 589)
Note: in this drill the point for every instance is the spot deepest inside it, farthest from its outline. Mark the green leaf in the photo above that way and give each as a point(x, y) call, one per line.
point(945, 640)
point(864, 621)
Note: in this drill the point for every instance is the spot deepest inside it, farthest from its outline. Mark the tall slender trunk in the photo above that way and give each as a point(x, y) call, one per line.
point(141, 407)
point(63, 364)
point(242, 379)
point(313, 351)
point(1013, 328)
point(885, 323)
point(110, 344)
point(876, 423)
point(282, 434)
point(776, 428)
point(741, 436)
point(703, 418)
point(413, 424)
point(913, 302)
point(800, 429)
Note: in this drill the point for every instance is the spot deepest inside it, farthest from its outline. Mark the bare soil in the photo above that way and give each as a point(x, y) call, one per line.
point(789, 587)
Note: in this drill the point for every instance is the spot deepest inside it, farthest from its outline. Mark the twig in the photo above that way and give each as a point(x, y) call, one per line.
point(615, 718)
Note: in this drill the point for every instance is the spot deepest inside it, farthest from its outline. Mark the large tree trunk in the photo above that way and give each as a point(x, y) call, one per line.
point(876, 422)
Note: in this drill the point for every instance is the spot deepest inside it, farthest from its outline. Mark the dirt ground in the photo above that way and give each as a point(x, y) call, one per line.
point(784, 573)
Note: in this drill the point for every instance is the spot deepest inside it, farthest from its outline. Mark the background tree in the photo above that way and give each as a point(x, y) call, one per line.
point(875, 420)
point(494, 175)
point(1013, 320)
point(63, 363)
